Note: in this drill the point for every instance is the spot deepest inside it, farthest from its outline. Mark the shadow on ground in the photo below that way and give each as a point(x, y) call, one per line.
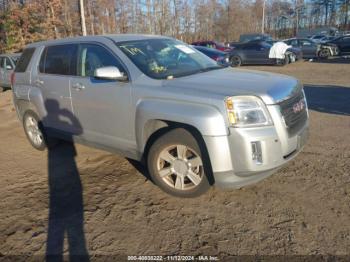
point(328, 99)
point(66, 210)
point(333, 60)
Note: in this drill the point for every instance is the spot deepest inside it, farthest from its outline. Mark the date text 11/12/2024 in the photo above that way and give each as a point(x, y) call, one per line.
point(173, 258)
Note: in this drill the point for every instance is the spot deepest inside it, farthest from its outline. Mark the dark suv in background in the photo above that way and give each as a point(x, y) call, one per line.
point(212, 44)
point(343, 43)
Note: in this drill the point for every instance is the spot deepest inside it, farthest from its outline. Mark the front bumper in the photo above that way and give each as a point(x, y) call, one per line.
point(234, 161)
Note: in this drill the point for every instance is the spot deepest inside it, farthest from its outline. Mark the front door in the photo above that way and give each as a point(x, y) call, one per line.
point(344, 44)
point(102, 106)
point(308, 48)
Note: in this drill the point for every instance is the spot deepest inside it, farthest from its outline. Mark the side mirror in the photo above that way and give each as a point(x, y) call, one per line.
point(110, 73)
point(9, 67)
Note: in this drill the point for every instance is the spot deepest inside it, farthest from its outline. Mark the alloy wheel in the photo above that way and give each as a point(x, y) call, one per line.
point(180, 167)
point(33, 131)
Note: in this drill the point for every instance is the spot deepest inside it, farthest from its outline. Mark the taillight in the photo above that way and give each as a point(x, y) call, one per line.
point(13, 79)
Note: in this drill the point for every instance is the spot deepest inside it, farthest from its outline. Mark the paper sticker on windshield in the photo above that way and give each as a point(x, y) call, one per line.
point(185, 49)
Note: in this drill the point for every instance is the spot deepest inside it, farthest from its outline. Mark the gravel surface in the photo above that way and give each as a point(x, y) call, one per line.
point(102, 205)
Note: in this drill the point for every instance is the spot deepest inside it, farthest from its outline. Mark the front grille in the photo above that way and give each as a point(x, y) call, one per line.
point(294, 116)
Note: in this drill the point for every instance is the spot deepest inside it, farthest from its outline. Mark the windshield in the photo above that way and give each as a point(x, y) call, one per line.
point(166, 58)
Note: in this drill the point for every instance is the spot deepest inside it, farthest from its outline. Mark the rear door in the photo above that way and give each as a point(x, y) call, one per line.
point(308, 47)
point(102, 106)
point(56, 67)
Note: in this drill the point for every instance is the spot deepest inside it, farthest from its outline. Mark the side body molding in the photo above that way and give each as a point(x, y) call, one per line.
point(206, 119)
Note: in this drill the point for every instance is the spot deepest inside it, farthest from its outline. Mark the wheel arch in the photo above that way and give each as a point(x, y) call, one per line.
point(153, 115)
point(161, 127)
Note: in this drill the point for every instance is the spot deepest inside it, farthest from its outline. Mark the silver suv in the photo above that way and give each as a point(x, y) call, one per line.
point(154, 98)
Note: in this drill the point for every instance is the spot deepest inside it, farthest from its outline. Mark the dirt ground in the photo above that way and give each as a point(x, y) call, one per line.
point(109, 208)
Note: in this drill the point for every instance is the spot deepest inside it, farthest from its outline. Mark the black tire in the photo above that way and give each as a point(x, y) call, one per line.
point(292, 58)
point(174, 138)
point(324, 53)
point(45, 141)
point(282, 62)
point(236, 61)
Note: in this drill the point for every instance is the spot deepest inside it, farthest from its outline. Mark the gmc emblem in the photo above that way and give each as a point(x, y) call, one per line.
point(299, 106)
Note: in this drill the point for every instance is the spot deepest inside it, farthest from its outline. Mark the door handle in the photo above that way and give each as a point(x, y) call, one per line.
point(78, 86)
point(39, 82)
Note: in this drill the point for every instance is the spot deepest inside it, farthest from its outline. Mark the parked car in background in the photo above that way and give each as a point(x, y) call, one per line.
point(257, 52)
point(317, 38)
point(343, 44)
point(250, 37)
point(156, 99)
point(7, 65)
point(212, 44)
point(312, 49)
point(327, 39)
point(221, 57)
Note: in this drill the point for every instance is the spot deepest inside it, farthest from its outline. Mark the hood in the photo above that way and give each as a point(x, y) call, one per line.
point(329, 44)
point(271, 88)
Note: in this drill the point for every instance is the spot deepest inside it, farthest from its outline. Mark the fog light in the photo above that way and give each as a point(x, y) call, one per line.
point(256, 152)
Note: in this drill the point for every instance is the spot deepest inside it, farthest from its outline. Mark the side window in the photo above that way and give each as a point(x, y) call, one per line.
point(250, 47)
point(293, 42)
point(305, 43)
point(59, 60)
point(8, 65)
point(1, 63)
point(92, 57)
point(24, 60)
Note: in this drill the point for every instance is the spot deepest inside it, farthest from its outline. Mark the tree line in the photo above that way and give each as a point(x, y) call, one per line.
point(26, 21)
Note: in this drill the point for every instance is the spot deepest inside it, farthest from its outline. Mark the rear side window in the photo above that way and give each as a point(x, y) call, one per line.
point(59, 60)
point(24, 60)
point(250, 47)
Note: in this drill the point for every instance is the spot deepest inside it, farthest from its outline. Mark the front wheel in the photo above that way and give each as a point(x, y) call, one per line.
point(324, 53)
point(236, 61)
point(176, 165)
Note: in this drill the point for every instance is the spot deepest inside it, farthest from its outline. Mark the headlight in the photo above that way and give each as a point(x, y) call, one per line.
point(247, 111)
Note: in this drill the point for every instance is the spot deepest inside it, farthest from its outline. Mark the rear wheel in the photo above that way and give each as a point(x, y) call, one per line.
point(291, 57)
point(236, 61)
point(35, 132)
point(176, 165)
point(282, 62)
